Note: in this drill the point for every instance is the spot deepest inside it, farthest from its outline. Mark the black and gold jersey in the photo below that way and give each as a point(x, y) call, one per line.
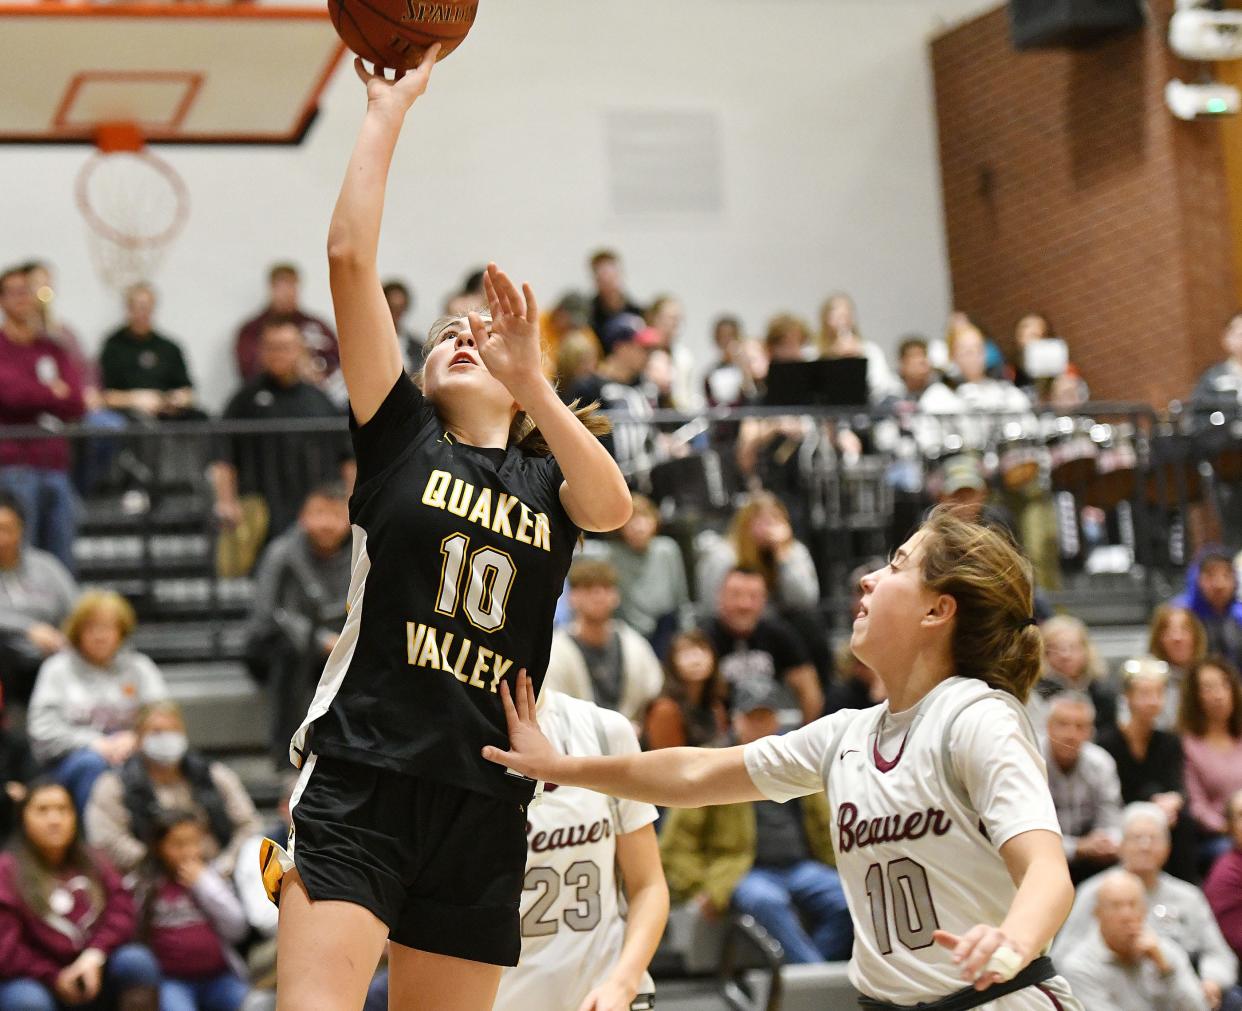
point(459, 556)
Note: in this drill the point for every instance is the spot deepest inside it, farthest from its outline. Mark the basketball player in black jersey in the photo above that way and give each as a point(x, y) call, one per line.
point(462, 539)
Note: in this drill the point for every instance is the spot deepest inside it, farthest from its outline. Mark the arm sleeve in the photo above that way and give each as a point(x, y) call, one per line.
point(180, 372)
point(386, 435)
point(798, 581)
point(21, 960)
point(51, 734)
point(1216, 961)
point(643, 670)
point(151, 682)
point(791, 765)
point(216, 898)
point(631, 814)
point(118, 921)
point(108, 824)
point(1002, 771)
point(714, 565)
point(1108, 793)
point(13, 620)
point(1198, 799)
point(1183, 992)
point(108, 372)
point(789, 651)
point(1090, 988)
point(1224, 892)
point(240, 809)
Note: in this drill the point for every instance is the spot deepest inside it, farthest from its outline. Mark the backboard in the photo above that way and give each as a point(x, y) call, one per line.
point(182, 73)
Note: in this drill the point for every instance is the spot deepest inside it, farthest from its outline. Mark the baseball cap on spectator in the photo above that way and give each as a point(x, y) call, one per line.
point(961, 473)
point(626, 327)
point(751, 695)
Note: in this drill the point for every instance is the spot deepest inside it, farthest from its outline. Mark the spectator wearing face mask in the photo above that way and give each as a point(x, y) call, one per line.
point(165, 775)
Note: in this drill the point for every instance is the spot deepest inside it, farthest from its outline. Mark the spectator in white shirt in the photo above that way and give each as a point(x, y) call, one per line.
point(1123, 965)
point(599, 657)
point(1176, 911)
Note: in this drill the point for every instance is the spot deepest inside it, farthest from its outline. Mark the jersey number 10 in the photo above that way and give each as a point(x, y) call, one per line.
point(487, 592)
point(913, 909)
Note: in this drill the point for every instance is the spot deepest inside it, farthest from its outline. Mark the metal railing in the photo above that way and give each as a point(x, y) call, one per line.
point(1110, 476)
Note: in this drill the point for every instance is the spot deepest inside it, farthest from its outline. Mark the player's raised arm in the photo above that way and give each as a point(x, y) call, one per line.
point(594, 493)
point(670, 777)
point(370, 355)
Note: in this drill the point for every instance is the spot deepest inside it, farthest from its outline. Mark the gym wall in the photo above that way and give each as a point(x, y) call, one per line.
point(828, 179)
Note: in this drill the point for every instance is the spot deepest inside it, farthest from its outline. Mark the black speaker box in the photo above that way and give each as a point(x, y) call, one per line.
point(1051, 24)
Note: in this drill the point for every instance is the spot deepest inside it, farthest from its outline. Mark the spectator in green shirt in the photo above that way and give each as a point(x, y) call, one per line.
point(144, 373)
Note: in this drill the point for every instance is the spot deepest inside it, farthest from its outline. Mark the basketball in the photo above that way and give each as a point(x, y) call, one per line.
point(396, 33)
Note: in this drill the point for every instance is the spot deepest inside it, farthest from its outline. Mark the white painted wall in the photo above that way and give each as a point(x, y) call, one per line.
point(829, 150)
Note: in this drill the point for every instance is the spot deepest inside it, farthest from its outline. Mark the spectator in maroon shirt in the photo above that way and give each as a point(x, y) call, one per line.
point(1224, 884)
point(323, 356)
point(38, 380)
point(65, 918)
point(191, 918)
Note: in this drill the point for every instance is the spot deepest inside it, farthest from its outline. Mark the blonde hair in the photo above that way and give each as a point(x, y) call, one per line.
point(746, 551)
point(1067, 624)
point(94, 603)
point(576, 348)
point(828, 335)
point(994, 638)
point(523, 432)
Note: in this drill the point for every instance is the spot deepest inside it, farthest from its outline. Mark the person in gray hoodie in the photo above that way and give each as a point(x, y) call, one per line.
point(36, 594)
point(299, 609)
point(87, 697)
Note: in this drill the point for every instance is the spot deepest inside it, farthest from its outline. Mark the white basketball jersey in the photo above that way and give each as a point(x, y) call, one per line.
point(917, 836)
point(572, 927)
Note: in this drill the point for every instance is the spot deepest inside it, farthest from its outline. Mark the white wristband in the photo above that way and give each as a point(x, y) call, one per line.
point(1005, 962)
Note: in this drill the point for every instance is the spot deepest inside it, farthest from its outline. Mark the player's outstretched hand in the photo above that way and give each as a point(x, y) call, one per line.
point(510, 346)
point(530, 753)
point(985, 954)
point(395, 95)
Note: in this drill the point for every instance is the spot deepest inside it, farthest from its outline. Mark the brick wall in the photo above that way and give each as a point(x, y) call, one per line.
point(1069, 189)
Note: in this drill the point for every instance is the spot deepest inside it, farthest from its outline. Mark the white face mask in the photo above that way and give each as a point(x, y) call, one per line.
point(167, 747)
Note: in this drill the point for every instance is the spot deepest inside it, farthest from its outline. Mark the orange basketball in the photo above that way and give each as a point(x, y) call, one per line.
point(396, 33)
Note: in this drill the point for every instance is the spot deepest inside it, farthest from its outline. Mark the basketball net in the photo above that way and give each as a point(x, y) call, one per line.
point(134, 204)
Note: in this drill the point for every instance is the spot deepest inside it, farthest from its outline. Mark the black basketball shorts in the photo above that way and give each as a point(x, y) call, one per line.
point(441, 866)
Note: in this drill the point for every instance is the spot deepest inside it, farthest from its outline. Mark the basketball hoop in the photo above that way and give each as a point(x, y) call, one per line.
point(134, 204)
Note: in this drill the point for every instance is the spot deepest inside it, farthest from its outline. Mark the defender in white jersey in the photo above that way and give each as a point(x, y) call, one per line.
point(947, 841)
point(578, 951)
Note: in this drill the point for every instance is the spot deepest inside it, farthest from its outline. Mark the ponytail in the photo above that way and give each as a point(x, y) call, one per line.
point(995, 638)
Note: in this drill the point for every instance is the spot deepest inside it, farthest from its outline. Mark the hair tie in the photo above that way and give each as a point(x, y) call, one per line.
point(1028, 623)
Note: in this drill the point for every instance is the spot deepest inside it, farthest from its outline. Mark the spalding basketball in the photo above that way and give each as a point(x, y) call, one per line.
point(396, 33)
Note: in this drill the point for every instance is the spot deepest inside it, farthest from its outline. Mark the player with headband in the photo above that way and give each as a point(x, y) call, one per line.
point(474, 484)
point(946, 838)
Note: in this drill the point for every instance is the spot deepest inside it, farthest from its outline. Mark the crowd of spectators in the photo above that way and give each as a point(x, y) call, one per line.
point(146, 848)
